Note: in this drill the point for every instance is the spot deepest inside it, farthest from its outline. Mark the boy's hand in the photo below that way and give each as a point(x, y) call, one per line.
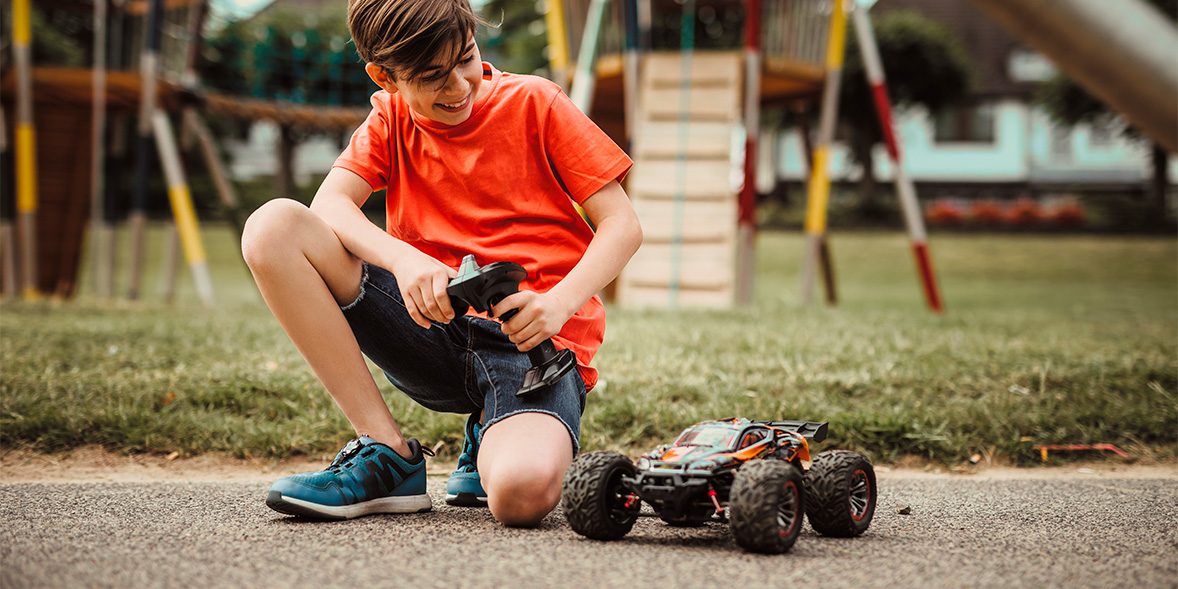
point(540, 317)
point(423, 281)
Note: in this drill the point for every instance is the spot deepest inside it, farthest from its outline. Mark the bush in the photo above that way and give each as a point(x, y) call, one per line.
point(944, 213)
point(1067, 213)
point(1025, 212)
point(988, 213)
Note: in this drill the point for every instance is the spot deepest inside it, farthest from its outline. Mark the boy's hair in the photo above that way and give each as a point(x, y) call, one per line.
point(407, 37)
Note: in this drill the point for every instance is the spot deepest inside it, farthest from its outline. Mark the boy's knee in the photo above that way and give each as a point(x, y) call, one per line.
point(267, 228)
point(522, 498)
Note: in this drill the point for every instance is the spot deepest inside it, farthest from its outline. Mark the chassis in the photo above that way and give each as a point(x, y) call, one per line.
point(750, 473)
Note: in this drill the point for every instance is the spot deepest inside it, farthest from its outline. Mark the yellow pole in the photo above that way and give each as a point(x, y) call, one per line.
point(819, 189)
point(26, 146)
point(558, 43)
point(183, 212)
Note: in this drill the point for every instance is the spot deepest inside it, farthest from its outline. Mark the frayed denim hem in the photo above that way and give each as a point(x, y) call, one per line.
point(363, 286)
point(573, 437)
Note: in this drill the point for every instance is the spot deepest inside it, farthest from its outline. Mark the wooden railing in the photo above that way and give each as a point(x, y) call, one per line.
point(793, 32)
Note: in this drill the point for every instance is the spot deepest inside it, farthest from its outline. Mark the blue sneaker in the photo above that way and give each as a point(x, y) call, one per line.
point(366, 477)
point(464, 489)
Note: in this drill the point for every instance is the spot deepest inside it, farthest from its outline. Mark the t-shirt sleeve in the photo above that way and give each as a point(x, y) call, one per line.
point(367, 154)
point(583, 156)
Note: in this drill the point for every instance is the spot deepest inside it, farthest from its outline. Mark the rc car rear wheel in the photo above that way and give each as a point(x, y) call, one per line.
point(593, 498)
point(767, 506)
point(840, 494)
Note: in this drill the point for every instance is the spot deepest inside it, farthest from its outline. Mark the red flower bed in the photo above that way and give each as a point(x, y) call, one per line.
point(943, 213)
point(1025, 212)
point(987, 212)
point(1067, 213)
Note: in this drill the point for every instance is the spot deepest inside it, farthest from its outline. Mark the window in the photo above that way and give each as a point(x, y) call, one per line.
point(1102, 135)
point(1024, 65)
point(965, 124)
point(1061, 143)
point(752, 437)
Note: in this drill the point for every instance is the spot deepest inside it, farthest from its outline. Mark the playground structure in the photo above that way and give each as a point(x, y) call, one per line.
point(792, 53)
point(680, 84)
point(691, 117)
point(61, 178)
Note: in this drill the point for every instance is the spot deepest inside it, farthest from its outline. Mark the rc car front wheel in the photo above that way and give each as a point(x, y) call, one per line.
point(765, 513)
point(840, 494)
point(593, 498)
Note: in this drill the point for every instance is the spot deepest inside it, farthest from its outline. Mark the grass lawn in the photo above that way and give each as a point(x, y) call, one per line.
point(1046, 339)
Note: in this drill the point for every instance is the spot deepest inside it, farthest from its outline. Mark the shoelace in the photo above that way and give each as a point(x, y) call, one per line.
point(470, 451)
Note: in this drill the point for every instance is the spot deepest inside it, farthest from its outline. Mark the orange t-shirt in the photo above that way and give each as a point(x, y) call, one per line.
point(499, 185)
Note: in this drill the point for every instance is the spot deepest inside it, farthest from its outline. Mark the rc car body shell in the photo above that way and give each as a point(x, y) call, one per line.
point(689, 479)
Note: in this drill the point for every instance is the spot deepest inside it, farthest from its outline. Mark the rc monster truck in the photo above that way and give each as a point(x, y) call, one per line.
point(748, 472)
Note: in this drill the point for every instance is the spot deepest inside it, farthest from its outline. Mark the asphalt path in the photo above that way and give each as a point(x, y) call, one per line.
point(1077, 530)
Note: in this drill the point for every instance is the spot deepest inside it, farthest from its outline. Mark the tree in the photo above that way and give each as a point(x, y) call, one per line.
point(925, 65)
point(517, 37)
point(1070, 104)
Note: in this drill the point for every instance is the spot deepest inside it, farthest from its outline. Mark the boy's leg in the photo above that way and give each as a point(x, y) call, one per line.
point(304, 274)
point(527, 443)
point(522, 461)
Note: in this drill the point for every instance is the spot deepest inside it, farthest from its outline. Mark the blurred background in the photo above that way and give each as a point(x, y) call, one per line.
point(995, 135)
point(1034, 141)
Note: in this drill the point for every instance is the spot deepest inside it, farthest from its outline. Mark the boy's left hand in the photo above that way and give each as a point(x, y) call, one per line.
point(540, 317)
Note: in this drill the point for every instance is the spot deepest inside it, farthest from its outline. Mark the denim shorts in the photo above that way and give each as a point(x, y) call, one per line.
point(465, 366)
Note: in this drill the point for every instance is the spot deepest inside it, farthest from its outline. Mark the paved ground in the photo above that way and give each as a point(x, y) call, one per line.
point(1033, 529)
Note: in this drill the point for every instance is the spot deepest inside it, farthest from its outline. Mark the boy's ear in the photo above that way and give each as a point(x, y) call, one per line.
point(381, 77)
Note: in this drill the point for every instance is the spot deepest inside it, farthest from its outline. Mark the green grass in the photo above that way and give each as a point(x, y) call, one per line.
point(1054, 339)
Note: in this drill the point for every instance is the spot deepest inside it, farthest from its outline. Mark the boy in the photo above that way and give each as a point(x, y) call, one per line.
point(475, 161)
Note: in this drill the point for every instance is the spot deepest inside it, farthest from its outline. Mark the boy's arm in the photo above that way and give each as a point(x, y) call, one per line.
point(422, 279)
point(617, 237)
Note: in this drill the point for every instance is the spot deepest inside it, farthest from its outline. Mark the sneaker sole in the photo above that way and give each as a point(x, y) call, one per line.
point(291, 506)
point(466, 500)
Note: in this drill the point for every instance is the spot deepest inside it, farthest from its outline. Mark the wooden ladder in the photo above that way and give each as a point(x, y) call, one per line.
point(687, 152)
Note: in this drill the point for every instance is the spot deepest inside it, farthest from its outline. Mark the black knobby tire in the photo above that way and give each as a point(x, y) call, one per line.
point(593, 498)
point(767, 506)
point(840, 494)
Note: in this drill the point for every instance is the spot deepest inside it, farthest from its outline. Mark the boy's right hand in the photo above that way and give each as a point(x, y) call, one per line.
point(423, 282)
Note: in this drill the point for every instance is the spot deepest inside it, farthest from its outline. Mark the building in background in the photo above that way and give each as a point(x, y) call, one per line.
point(1000, 145)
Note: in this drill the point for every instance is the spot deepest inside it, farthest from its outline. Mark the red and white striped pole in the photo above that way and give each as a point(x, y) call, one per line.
point(747, 227)
point(904, 187)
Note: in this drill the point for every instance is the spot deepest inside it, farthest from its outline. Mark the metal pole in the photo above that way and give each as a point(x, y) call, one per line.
point(116, 155)
point(586, 78)
point(747, 227)
point(182, 209)
point(26, 147)
point(819, 189)
point(7, 213)
point(683, 126)
point(188, 79)
point(212, 157)
point(905, 189)
point(148, 68)
point(98, 132)
point(558, 43)
point(630, 66)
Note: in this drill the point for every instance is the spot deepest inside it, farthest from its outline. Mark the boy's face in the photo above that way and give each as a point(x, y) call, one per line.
point(443, 93)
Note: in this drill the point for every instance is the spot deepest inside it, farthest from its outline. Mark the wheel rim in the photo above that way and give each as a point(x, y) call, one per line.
point(860, 495)
point(617, 496)
point(787, 509)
